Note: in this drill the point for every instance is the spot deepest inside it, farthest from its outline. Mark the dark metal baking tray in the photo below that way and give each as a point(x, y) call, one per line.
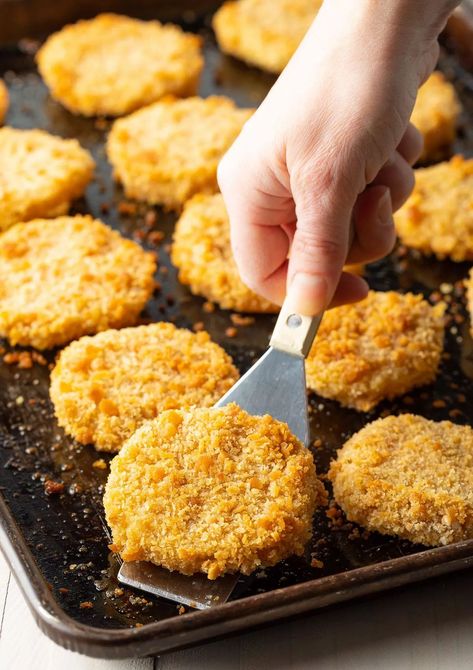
point(57, 545)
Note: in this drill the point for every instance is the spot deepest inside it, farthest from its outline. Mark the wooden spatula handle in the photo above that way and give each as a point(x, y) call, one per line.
point(294, 333)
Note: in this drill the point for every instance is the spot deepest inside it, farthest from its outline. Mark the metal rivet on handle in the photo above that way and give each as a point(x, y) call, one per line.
point(294, 320)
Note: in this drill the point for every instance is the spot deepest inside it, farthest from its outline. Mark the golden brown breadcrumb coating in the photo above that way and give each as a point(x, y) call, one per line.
point(169, 151)
point(355, 269)
point(41, 174)
point(435, 114)
point(4, 101)
point(438, 216)
point(377, 348)
point(264, 33)
point(70, 276)
point(212, 490)
point(113, 64)
point(408, 476)
point(202, 252)
point(106, 386)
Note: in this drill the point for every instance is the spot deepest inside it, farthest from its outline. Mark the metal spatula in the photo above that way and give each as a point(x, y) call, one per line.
point(275, 385)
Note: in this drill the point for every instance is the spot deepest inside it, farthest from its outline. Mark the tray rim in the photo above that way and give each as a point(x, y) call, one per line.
point(239, 615)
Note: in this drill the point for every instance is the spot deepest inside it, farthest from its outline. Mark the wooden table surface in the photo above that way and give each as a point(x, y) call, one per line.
point(424, 627)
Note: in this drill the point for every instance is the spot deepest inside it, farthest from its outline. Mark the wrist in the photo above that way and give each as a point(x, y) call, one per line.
point(378, 34)
point(424, 17)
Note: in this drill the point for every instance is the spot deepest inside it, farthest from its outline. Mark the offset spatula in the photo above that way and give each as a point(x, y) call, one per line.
point(275, 385)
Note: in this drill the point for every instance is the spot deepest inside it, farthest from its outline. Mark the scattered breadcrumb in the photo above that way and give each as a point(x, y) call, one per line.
point(105, 387)
point(202, 253)
point(67, 277)
point(24, 359)
point(86, 605)
point(127, 208)
point(408, 476)
point(112, 65)
point(208, 307)
point(435, 114)
point(52, 488)
point(213, 491)
point(243, 321)
point(377, 348)
point(265, 33)
point(167, 152)
point(41, 174)
point(438, 216)
point(4, 101)
point(99, 464)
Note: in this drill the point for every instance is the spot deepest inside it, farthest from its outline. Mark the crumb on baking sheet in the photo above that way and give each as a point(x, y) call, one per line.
point(53, 488)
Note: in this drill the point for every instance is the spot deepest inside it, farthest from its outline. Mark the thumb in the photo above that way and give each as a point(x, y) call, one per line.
point(318, 254)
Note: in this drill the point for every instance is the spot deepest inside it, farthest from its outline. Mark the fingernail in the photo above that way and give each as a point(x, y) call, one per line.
point(384, 212)
point(307, 294)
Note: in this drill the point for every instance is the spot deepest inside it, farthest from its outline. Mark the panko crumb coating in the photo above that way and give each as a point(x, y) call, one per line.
point(111, 64)
point(377, 348)
point(169, 151)
point(4, 101)
point(408, 476)
point(438, 216)
point(264, 33)
point(212, 490)
point(41, 174)
point(202, 252)
point(357, 269)
point(435, 114)
point(67, 277)
point(106, 386)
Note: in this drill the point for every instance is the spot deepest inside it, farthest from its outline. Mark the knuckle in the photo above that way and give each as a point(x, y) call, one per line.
point(310, 244)
point(308, 178)
point(336, 184)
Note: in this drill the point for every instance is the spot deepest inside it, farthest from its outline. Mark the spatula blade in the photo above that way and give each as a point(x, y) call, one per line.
point(275, 385)
point(197, 591)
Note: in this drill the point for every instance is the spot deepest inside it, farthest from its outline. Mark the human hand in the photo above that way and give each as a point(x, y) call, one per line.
point(330, 149)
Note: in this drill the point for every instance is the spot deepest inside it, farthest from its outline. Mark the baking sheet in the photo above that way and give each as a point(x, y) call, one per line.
point(58, 543)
